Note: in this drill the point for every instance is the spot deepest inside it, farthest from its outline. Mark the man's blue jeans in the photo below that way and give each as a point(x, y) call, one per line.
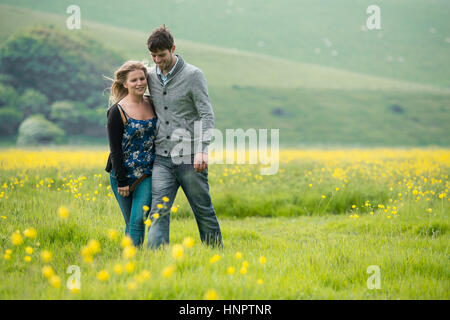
point(131, 207)
point(166, 179)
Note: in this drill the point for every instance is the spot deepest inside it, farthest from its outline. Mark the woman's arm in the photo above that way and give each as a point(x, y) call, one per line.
point(115, 132)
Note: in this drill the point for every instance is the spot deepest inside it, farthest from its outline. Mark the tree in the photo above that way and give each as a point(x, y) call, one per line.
point(60, 65)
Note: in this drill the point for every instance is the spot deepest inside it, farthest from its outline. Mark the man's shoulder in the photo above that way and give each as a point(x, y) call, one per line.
point(152, 71)
point(191, 69)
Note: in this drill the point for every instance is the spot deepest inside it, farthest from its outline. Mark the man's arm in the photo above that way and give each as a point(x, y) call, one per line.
point(203, 106)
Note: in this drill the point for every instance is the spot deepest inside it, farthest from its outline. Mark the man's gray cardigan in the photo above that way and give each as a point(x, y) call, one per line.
point(179, 104)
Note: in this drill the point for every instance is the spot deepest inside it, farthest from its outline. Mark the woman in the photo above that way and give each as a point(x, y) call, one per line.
point(131, 133)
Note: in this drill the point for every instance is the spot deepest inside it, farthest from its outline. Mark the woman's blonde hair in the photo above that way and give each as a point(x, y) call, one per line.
point(118, 91)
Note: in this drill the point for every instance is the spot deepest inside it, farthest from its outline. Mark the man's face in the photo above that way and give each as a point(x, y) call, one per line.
point(163, 58)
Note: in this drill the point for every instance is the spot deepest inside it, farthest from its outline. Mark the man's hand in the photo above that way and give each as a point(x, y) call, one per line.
point(124, 191)
point(200, 162)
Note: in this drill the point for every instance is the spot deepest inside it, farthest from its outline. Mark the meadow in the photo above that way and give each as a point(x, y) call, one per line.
point(309, 232)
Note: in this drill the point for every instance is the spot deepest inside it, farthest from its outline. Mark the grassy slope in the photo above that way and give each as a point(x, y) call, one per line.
point(315, 108)
point(293, 29)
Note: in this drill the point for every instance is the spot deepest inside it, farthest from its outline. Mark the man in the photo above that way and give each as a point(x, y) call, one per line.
point(181, 100)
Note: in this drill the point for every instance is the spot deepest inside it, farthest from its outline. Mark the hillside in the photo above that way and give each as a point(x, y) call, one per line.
point(311, 104)
point(412, 45)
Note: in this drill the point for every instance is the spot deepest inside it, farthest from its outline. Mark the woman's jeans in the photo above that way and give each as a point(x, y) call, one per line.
point(131, 207)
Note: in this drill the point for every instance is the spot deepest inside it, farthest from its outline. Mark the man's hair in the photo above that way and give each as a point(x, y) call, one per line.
point(160, 39)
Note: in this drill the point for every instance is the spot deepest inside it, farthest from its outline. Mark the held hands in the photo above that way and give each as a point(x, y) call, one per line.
point(200, 162)
point(124, 191)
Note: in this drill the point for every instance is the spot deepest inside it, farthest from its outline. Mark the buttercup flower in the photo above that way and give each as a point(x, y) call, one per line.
point(214, 258)
point(177, 251)
point(63, 212)
point(46, 256)
point(30, 233)
point(211, 294)
point(188, 242)
point(167, 271)
point(103, 275)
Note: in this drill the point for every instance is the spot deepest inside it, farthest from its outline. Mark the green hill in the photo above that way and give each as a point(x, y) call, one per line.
point(413, 43)
point(311, 104)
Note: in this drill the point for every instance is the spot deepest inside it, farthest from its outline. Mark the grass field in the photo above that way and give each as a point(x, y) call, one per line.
point(309, 232)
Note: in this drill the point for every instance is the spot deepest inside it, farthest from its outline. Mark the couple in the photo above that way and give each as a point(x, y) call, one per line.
point(144, 170)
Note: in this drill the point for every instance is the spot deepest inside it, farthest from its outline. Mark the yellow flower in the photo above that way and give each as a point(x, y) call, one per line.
point(63, 212)
point(126, 241)
point(16, 239)
point(156, 216)
point(145, 208)
point(260, 281)
point(129, 252)
point(103, 275)
point(46, 256)
point(230, 270)
point(145, 275)
point(243, 270)
point(388, 217)
point(238, 255)
point(27, 258)
point(214, 258)
point(371, 212)
point(8, 251)
point(88, 258)
point(177, 251)
point(211, 294)
point(430, 210)
point(165, 199)
point(29, 250)
point(129, 267)
point(159, 206)
point(188, 242)
point(262, 260)
point(118, 269)
point(167, 271)
point(113, 234)
point(55, 281)
point(337, 189)
point(93, 246)
point(30, 233)
point(74, 290)
point(174, 209)
point(6, 256)
point(47, 272)
point(132, 285)
point(148, 223)
point(323, 196)
point(245, 264)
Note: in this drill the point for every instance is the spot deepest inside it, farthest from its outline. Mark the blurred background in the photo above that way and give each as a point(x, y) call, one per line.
point(312, 69)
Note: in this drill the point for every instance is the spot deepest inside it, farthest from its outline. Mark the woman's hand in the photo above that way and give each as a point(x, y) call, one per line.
point(124, 191)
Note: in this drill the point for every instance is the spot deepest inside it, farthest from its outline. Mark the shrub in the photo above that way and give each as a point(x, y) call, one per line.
point(32, 102)
point(10, 118)
point(38, 130)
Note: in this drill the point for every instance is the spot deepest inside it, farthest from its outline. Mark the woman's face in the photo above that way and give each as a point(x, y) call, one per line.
point(136, 82)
